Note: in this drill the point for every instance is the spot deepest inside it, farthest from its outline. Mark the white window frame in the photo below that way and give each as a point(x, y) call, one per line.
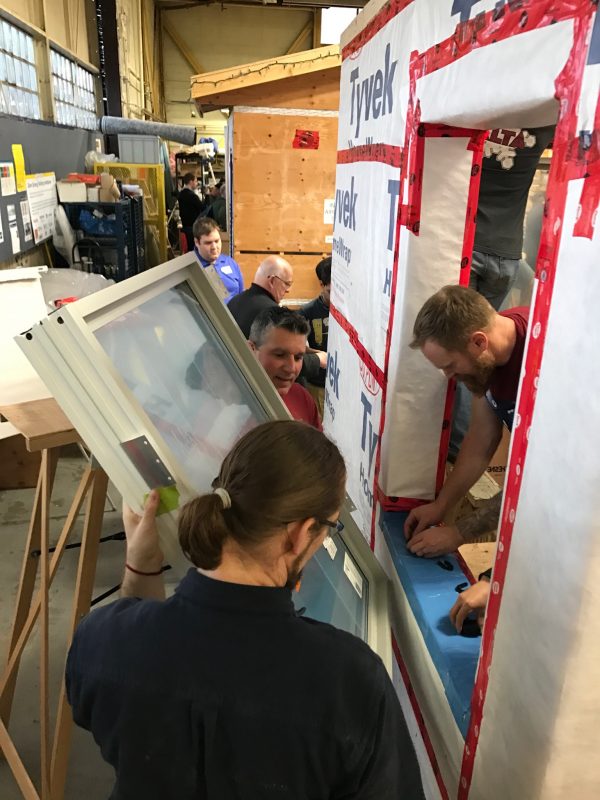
point(93, 394)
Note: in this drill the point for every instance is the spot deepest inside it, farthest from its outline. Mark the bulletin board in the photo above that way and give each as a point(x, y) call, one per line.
point(46, 149)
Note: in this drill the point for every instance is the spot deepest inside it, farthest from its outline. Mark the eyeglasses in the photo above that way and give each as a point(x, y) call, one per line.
point(338, 525)
point(289, 284)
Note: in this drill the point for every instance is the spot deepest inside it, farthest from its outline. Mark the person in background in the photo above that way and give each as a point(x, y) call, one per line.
point(223, 690)
point(317, 314)
point(218, 209)
point(272, 281)
point(278, 341)
point(207, 246)
point(459, 332)
point(510, 159)
point(190, 206)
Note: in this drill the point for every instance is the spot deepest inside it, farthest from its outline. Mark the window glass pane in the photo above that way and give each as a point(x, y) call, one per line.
point(334, 590)
point(68, 80)
point(185, 380)
point(18, 72)
point(10, 69)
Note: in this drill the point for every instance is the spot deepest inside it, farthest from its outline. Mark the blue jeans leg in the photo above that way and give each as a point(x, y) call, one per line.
point(493, 276)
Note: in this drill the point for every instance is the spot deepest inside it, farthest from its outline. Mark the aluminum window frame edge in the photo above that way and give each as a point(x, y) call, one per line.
point(378, 610)
point(98, 435)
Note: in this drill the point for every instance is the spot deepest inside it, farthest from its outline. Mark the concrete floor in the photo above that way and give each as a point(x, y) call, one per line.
point(89, 776)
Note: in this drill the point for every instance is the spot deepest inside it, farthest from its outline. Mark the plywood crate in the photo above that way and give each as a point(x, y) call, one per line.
point(280, 192)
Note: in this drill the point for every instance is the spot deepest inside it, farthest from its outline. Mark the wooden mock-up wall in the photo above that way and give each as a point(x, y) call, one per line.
point(279, 191)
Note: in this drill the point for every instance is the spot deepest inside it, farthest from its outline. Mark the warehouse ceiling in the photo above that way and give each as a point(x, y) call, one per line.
point(176, 4)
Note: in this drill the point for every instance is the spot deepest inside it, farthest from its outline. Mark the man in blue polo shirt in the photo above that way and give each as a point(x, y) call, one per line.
point(207, 246)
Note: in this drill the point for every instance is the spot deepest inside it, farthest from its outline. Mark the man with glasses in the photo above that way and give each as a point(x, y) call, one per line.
point(273, 280)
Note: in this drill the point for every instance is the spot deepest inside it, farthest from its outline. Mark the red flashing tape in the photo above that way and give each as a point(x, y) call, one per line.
point(387, 13)
point(361, 350)
point(590, 194)
point(384, 153)
point(489, 27)
point(419, 718)
point(568, 88)
point(397, 503)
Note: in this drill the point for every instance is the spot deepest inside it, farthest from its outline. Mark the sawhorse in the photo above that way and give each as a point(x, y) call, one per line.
point(47, 429)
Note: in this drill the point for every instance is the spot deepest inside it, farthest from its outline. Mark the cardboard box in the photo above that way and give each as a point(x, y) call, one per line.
point(71, 192)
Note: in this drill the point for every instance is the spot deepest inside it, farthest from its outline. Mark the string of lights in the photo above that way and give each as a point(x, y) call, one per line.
point(259, 70)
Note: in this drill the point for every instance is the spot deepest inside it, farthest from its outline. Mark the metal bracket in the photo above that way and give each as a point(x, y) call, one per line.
point(145, 459)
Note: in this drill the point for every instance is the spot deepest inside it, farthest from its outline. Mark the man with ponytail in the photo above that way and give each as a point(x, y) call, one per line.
point(223, 691)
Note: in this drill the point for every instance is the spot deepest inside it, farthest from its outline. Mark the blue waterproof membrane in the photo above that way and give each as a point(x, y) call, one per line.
point(431, 592)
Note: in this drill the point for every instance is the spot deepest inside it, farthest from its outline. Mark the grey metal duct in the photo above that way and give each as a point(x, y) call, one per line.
point(185, 134)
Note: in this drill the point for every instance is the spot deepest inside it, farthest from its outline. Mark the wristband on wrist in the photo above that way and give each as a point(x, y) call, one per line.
point(145, 574)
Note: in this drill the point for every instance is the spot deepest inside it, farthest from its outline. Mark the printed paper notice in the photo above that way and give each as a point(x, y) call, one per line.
point(329, 545)
point(7, 179)
point(353, 575)
point(328, 209)
point(19, 159)
point(14, 229)
point(26, 220)
point(41, 196)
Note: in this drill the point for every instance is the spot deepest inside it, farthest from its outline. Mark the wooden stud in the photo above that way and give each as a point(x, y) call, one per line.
point(84, 585)
point(26, 587)
point(316, 36)
point(17, 647)
point(47, 457)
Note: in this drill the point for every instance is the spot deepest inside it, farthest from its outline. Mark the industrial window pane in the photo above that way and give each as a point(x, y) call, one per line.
point(184, 379)
point(18, 89)
point(68, 82)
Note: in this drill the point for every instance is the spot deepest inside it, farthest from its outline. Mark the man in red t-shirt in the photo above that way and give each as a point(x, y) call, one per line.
point(278, 340)
point(460, 333)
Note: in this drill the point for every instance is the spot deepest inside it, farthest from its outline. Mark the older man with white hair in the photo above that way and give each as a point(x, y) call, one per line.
point(273, 280)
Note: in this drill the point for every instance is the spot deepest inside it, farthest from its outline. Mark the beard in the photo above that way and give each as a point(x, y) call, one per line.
point(479, 381)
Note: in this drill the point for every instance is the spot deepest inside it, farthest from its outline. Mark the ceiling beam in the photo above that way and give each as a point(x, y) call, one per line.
point(185, 51)
point(301, 38)
point(316, 28)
